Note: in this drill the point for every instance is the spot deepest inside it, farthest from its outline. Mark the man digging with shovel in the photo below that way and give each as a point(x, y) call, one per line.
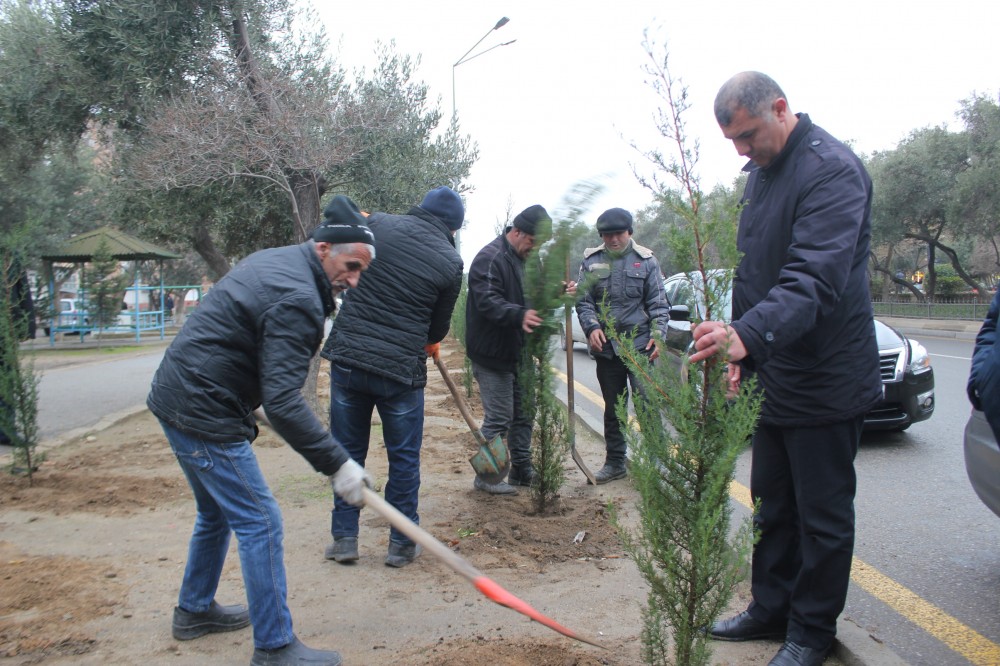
point(497, 319)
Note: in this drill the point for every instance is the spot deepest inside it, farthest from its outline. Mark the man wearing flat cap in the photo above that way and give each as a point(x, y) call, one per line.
point(378, 348)
point(627, 277)
point(249, 344)
point(496, 321)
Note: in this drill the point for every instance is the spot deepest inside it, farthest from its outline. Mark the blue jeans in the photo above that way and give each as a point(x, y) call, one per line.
point(232, 495)
point(502, 413)
point(354, 393)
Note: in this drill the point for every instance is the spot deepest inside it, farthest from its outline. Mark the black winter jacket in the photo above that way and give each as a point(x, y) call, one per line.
point(403, 301)
point(249, 343)
point(494, 308)
point(801, 303)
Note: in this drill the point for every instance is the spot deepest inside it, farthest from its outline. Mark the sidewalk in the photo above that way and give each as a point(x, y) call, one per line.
point(959, 329)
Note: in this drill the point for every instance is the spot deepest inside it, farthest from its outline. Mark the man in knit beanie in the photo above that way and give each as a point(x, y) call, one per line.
point(250, 344)
point(496, 320)
point(378, 349)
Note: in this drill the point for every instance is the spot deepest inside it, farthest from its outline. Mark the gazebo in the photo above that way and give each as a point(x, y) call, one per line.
point(81, 249)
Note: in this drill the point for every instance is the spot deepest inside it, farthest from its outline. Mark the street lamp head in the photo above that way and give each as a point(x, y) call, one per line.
point(501, 23)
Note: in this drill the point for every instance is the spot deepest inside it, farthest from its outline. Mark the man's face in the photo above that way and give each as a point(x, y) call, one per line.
point(344, 269)
point(616, 240)
point(522, 243)
point(761, 138)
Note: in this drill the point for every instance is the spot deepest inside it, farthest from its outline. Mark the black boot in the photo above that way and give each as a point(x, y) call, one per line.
point(521, 475)
point(610, 472)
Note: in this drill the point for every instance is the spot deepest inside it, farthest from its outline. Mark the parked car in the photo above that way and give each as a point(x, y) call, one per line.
point(907, 376)
point(70, 318)
point(982, 460)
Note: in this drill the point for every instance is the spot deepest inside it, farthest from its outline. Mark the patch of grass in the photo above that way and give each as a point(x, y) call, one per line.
point(304, 488)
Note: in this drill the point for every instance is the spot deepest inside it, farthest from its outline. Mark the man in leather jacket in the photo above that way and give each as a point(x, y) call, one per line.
point(626, 277)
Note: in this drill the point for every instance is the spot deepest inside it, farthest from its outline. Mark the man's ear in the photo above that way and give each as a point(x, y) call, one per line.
point(780, 108)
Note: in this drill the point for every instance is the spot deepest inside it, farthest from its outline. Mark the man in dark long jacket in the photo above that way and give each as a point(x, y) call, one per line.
point(249, 344)
point(496, 321)
point(378, 352)
point(802, 321)
point(984, 376)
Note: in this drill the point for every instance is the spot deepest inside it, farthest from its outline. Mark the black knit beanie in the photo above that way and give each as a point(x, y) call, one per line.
point(343, 223)
point(527, 220)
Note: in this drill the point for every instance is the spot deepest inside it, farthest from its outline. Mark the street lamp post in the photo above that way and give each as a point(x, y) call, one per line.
point(454, 107)
point(465, 58)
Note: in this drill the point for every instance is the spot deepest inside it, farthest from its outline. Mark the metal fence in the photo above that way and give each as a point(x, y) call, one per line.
point(941, 308)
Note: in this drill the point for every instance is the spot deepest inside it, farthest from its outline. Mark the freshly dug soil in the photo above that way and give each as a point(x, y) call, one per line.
point(92, 555)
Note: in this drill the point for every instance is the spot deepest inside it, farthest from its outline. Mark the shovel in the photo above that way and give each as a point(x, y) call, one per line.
point(491, 461)
point(461, 566)
point(570, 393)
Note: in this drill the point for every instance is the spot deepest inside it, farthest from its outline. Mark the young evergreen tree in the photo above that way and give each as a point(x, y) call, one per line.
point(105, 283)
point(690, 430)
point(18, 379)
point(545, 289)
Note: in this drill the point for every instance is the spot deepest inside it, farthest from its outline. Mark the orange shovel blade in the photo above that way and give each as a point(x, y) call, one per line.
point(494, 592)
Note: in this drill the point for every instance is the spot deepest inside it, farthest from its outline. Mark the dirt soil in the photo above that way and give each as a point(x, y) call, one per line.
point(92, 555)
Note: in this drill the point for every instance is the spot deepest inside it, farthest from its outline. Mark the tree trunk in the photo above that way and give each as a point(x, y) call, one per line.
point(205, 247)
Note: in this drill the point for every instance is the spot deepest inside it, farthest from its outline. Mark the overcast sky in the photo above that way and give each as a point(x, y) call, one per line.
point(563, 102)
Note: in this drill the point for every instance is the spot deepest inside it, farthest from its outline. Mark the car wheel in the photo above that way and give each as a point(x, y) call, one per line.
point(562, 337)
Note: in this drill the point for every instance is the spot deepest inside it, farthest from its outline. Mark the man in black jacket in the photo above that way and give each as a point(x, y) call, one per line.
point(378, 348)
point(250, 343)
point(802, 322)
point(496, 321)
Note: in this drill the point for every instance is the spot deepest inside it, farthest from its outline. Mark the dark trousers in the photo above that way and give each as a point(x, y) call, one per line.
point(805, 481)
point(354, 394)
point(614, 378)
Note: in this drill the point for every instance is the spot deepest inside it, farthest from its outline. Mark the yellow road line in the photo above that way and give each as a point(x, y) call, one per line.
point(964, 640)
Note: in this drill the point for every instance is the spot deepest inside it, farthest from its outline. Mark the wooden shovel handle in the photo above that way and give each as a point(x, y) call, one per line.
point(454, 561)
point(463, 406)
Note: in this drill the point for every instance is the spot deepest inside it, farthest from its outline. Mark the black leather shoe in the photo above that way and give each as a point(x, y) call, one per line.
point(743, 627)
point(295, 653)
point(793, 654)
point(216, 619)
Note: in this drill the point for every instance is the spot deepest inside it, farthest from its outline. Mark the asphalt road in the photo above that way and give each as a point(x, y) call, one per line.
point(926, 579)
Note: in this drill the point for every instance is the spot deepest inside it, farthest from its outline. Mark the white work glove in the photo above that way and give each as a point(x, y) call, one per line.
point(348, 482)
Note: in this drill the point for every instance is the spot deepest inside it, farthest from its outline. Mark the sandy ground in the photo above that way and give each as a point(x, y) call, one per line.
point(92, 555)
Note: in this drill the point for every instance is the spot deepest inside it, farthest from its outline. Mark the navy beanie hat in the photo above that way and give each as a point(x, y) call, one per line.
point(527, 220)
point(614, 220)
point(445, 204)
point(343, 223)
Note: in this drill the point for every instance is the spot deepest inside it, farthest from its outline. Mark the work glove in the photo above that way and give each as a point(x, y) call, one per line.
point(434, 350)
point(348, 482)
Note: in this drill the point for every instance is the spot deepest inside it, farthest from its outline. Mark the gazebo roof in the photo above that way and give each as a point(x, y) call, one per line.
point(81, 249)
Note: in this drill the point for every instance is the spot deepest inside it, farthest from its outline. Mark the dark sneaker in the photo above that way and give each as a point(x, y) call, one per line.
point(610, 472)
point(401, 554)
point(502, 488)
point(215, 620)
point(295, 653)
point(343, 550)
point(521, 476)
